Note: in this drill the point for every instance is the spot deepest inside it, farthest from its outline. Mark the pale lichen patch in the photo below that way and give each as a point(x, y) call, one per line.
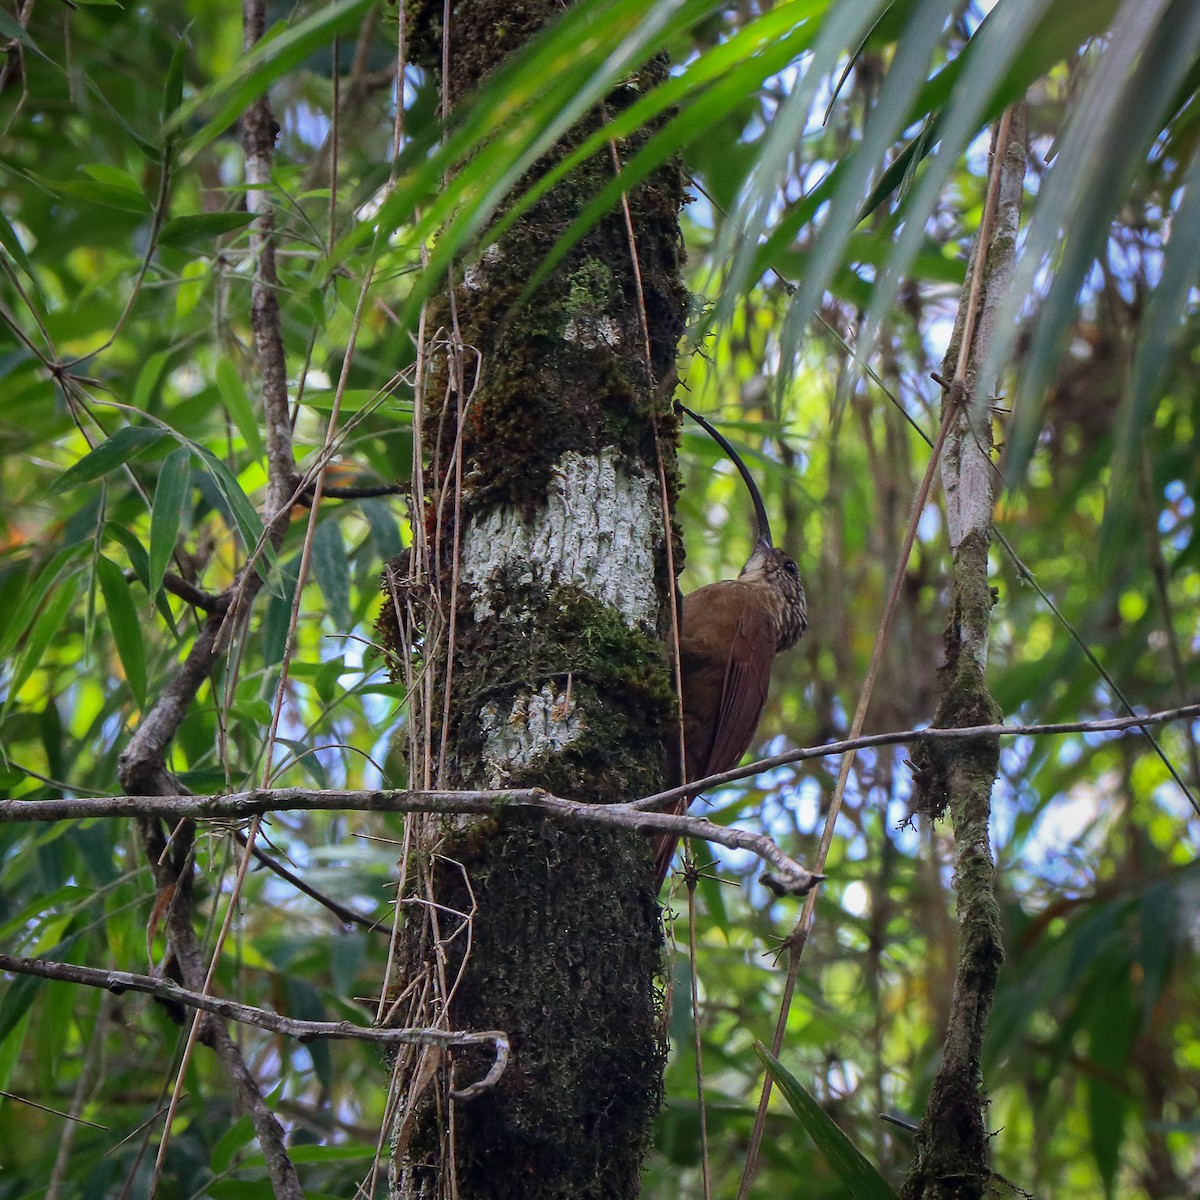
point(596, 533)
point(592, 332)
point(538, 724)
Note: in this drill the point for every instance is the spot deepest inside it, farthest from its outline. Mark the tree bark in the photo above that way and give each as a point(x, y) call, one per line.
point(951, 1160)
point(548, 455)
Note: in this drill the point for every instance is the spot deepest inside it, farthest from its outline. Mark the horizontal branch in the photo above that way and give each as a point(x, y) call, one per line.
point(1188, 712)
point(303, 1031)
point(638, 815)
point(352, 491)
point(788, 875)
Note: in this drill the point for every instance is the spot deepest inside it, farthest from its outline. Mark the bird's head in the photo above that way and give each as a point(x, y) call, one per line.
point(770, 566)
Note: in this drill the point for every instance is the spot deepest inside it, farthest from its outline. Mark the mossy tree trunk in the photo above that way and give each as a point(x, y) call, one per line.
point(548, 452)
point(950, 1159)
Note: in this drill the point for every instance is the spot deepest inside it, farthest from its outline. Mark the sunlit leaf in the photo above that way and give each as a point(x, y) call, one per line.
point(124, 623)
point(166, 512)
point(123, 447)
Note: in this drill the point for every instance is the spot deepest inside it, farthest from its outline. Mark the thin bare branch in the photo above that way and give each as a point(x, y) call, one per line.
point(788, 875)
point(1188, 712)
point(303, 1031)
point(242, 805)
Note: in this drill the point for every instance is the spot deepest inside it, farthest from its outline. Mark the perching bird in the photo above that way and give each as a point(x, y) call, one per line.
point(729, 634)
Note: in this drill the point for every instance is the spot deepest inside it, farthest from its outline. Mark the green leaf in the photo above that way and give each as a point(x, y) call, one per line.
point(281, 49)
point(125, 625)
point(47, 626)
point(385, 536)
point(12, 243)
point(185, 232)
point(1120, 111)
point(10, 1047)
point(193, 279)
point(18, 996)
point(166, 512)
point(116, 177)
point(139, 560)
point(332, 572)
point(14, 31)
point(249, 523)
point(147, 147)
point(237, 404)
point(148, 378)
point(123, 447)
point(110, 195)
point(858, 1176)
point(173, 85)
point(33, 597)
point(239, 1135)
point(243, 1189)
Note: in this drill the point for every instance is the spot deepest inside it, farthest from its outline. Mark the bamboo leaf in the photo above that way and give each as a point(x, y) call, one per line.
point(245, 517)
point(1128, 99)
point(125, 625)
point(237, 404)
point(282, 48)
point(12, 243)
point(14, 31)
point(332, 572)
point(123, 447)
point(858, 1176)
point(47, 626)
point(173, 84)
point(166, 511)
point(34, 596)
point(183, 233)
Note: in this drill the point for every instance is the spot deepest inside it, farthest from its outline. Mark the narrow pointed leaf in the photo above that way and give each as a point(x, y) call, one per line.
point(249, 523)
point(125, 625)
point(123, 447)
point(237, 404)
point(48, 625)
point(331, 571)
point(166, 512)
point(173, 86)
point(183, 233)
point(277, 53)
point(34, 596)
point(858, 1176)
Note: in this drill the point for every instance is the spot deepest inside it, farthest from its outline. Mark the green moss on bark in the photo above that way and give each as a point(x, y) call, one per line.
point(966, 700)
point(565, 941)
point(619, 682)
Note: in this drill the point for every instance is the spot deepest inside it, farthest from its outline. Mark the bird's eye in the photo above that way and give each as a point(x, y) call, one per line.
point(790, 567)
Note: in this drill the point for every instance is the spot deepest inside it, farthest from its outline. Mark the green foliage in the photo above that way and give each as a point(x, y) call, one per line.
point(132, 456)
point(859, 1178)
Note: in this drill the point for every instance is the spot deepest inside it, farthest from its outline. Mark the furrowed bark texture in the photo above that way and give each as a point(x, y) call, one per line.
point(951, 1157)
point(551, 588)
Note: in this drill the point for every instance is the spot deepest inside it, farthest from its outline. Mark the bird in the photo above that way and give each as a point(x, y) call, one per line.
point(729, 634)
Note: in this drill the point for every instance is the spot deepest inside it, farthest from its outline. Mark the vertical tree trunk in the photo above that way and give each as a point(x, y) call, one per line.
point(548, 453)
point(950, 1160)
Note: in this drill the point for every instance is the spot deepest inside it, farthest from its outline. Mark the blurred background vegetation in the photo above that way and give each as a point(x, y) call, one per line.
point(124, 303)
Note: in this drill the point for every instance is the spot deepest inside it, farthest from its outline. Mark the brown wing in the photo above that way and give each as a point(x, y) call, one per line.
point(747, 677)
point(722, 701)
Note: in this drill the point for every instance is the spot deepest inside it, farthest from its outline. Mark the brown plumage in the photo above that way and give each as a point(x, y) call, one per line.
point(730, 632)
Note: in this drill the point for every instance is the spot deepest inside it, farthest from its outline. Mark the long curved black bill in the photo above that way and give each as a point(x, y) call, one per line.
point(760, 509)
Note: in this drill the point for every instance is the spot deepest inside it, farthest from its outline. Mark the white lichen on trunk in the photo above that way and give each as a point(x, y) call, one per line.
point(539, 723)
point(596, 534)
point(968, 473)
